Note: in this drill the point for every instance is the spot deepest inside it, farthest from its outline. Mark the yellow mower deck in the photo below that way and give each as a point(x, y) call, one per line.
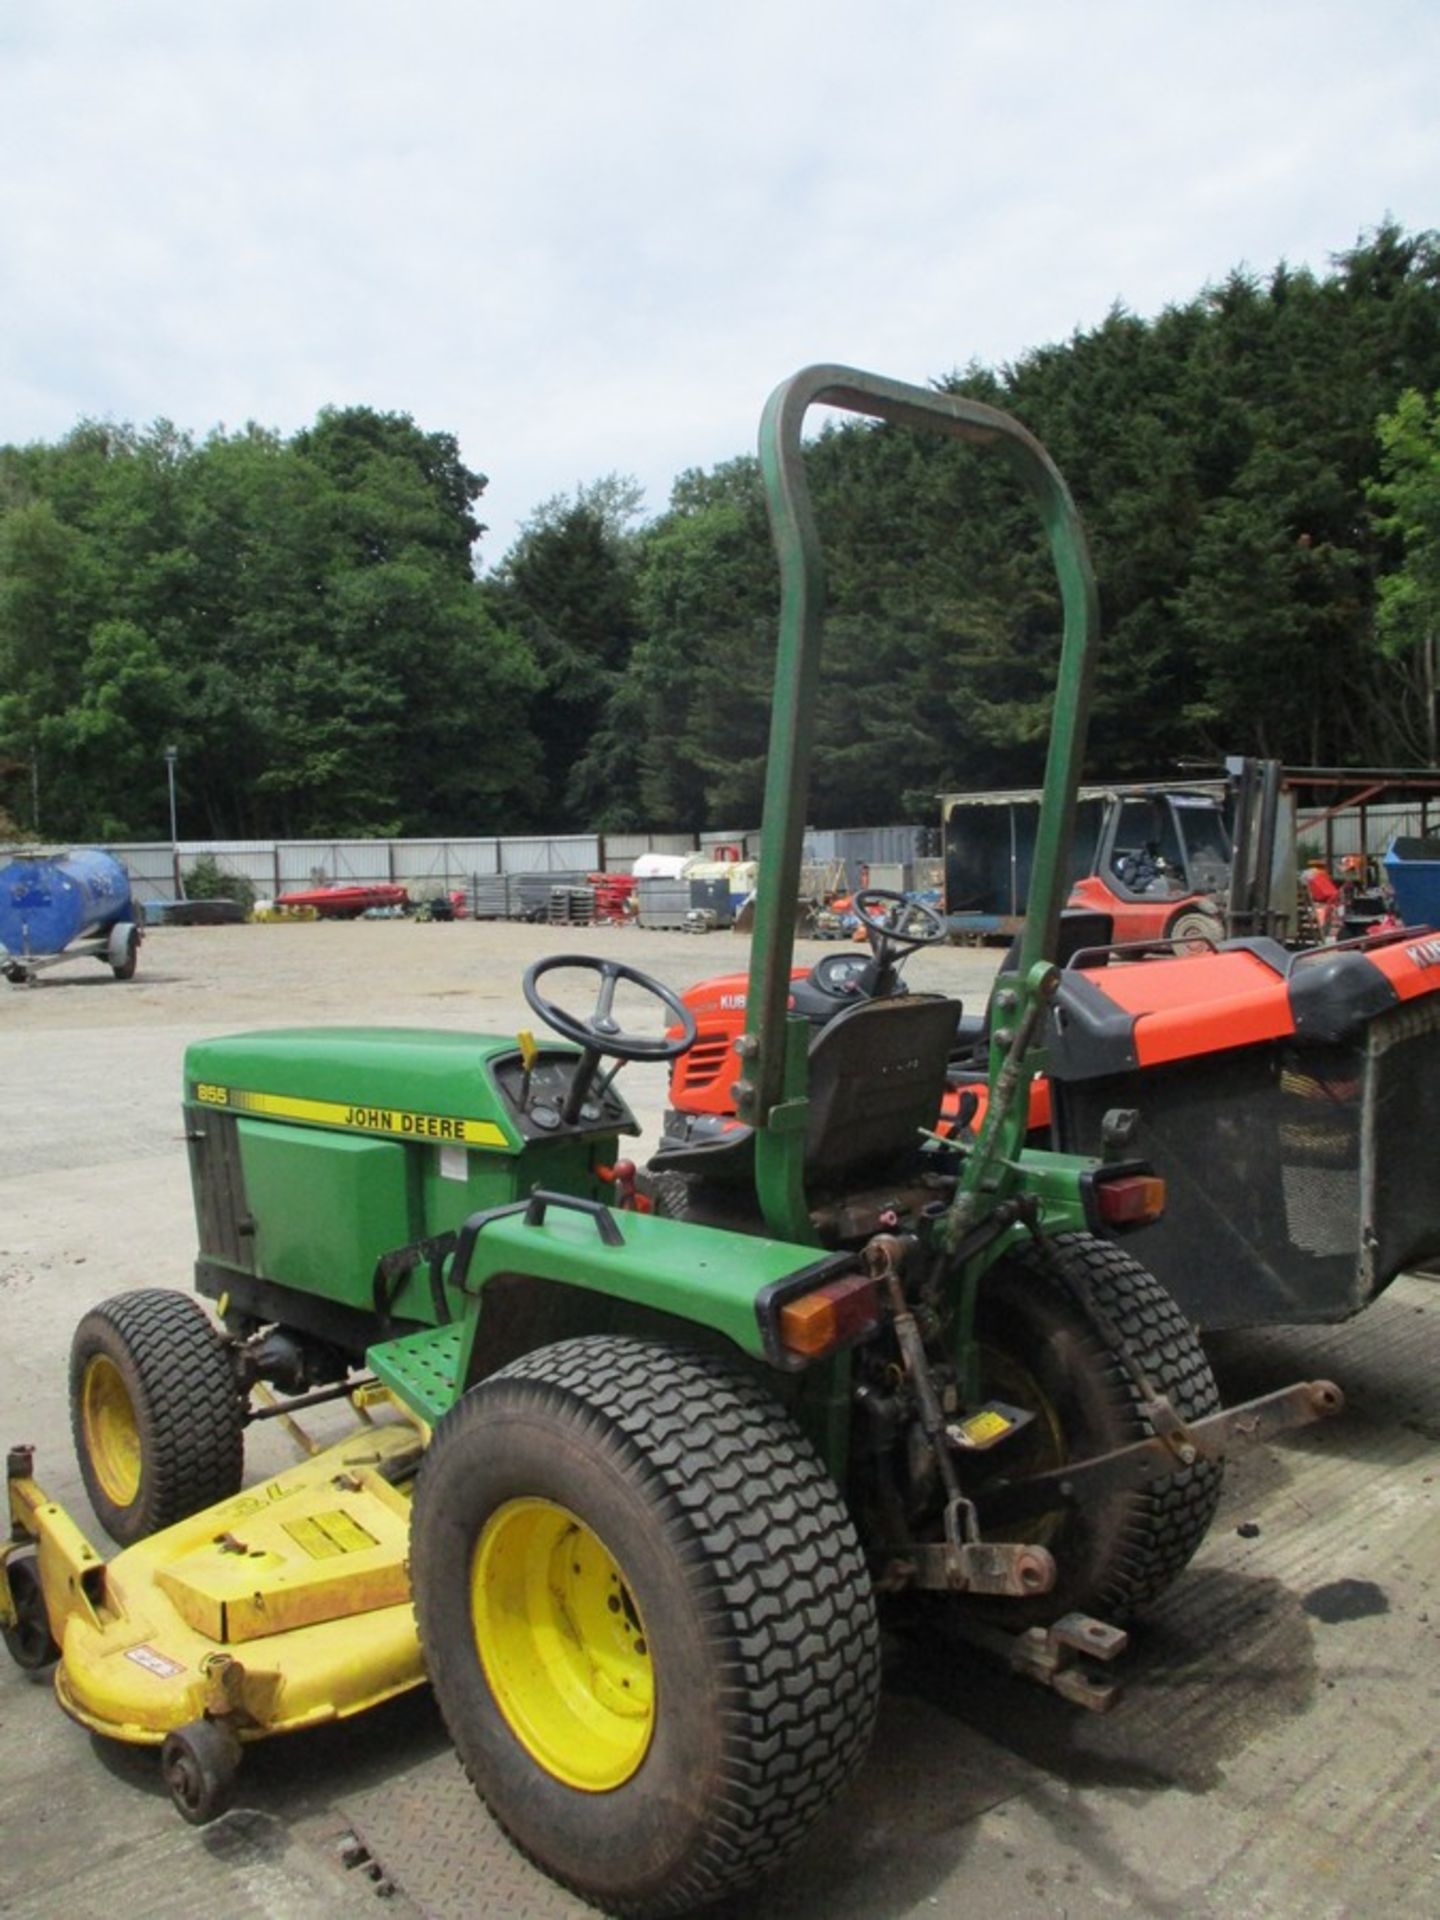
point(281, 1608)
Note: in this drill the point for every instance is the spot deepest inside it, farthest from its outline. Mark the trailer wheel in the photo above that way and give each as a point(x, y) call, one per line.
point(157, 1412)
point(199, 1763)
point(1051, 1330)
point(647, 1619)
point(125, 966)
point(30, 1643)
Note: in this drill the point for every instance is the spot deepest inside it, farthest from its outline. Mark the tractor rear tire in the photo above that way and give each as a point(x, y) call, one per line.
point(1052, 1331)
point(157, 1412)
point(647, 1618)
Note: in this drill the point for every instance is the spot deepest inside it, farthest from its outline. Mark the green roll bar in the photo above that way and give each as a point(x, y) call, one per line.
point(771, 1094)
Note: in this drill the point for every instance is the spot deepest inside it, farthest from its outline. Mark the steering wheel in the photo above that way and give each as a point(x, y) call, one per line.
point(602, 1032)
point(901, 925)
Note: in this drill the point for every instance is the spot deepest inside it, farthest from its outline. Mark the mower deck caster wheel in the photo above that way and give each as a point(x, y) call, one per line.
point(30, 1643)
point(199, 1763)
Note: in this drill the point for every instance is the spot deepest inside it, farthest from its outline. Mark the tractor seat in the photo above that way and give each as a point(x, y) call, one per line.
point(877, 1076)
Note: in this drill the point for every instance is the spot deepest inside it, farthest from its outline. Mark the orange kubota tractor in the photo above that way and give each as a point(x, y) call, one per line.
point(1290, 1100)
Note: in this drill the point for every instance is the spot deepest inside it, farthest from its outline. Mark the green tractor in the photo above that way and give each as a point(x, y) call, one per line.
point(642, 1477)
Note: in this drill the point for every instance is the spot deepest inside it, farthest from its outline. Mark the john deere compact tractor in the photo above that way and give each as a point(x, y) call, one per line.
point(641, 1478)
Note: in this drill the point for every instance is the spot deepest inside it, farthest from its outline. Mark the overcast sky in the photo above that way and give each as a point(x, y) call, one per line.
point(590, 237)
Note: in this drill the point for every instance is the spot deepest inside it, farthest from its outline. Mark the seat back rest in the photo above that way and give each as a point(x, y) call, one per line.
point(877, 1076)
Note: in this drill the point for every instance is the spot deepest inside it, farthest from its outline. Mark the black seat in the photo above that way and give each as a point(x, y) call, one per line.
point(877, 1076)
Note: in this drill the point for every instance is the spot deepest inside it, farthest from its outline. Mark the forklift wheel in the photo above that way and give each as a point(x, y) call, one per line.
point(647, 1618)
point(29, 1642)
point(198, 1764)
point(1193, 930)
point(1055, 1328)
point(157, 1413)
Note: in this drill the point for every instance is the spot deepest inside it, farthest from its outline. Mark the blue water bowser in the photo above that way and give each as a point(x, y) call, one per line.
point(62, 907)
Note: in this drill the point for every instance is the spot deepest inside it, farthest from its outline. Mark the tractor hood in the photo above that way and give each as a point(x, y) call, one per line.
point(400, 1083)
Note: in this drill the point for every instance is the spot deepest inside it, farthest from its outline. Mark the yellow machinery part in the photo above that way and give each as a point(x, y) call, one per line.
point(562, 1644)
point(283, 1607)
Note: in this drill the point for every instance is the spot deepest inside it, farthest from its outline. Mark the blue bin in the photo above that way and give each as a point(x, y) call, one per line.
point(1412, 868)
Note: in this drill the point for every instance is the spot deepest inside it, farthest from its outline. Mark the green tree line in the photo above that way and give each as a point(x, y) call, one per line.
point(1258, 470)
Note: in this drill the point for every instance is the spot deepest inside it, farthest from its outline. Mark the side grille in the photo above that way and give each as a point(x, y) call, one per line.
point(703, 1065)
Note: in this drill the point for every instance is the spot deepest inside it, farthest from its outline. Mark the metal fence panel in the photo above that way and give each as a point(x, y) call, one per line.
point(518, 896)
point(622, 850)
point(538, 854)
point(440, 866)
point(151, 870)
point(256, 865)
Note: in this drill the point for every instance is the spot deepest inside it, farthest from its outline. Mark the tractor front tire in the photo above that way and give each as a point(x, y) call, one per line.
point(1054, 1327)
point(157, 1412)
point(647, 1618)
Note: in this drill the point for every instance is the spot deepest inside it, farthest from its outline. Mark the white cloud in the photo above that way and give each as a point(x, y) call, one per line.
point(591, 236)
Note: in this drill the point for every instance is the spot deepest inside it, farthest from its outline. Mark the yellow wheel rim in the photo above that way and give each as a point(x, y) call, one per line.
point(112, 1438)
point(1002, 1377)
point(562, 1645)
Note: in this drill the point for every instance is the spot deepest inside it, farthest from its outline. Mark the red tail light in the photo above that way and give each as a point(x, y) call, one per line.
point(829, 1316)
point(1130, 1199)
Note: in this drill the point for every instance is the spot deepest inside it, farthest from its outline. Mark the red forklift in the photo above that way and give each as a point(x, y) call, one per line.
point(1156, 858)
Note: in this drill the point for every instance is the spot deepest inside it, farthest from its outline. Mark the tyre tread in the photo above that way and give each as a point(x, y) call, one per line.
point(1166, 1521)
point(192, 1415)
point(750, 1508)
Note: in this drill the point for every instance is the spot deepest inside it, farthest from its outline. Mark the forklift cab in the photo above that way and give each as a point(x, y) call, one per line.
point(1163, 846)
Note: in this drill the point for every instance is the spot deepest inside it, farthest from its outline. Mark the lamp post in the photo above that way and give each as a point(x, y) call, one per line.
point(172, 754)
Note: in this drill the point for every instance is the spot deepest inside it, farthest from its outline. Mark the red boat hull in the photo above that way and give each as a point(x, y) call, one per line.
point(345, 902)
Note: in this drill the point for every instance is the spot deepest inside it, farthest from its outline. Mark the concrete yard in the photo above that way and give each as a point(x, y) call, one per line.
point(1275, 1752)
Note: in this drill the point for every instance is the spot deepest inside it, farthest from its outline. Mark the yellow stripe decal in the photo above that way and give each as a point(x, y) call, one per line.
point(392, 1121)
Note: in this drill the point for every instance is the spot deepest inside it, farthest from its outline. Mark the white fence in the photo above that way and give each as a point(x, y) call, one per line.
point(427, 868)
point(424, 867)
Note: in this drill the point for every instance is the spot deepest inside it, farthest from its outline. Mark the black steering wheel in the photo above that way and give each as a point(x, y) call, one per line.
point(900, 925)
point(602, 1032)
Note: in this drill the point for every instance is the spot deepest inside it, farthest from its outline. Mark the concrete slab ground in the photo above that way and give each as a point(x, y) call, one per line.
point(1275, 1751)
